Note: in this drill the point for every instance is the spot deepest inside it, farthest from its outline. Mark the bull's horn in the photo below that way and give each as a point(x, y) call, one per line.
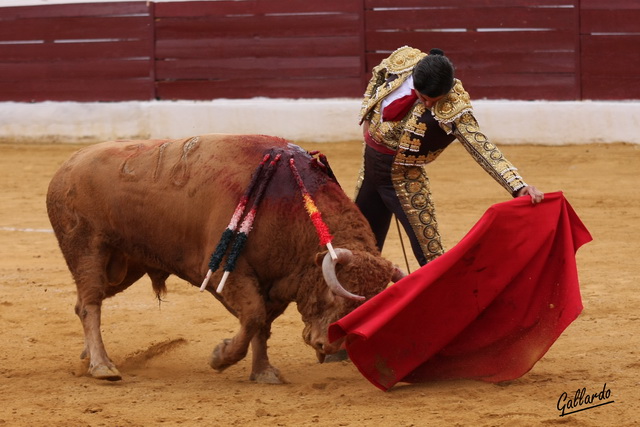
point(329, 273)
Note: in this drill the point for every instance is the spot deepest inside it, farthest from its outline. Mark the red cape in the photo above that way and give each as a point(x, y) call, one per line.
point(487, 309)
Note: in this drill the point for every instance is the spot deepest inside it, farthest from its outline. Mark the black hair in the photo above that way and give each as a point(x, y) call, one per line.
point(433, 75)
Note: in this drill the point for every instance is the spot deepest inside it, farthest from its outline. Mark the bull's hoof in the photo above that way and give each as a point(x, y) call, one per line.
point(268, 376)
point(104, 372)
point(216, 361)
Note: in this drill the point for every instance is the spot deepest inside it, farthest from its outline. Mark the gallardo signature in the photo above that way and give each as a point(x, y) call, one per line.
point(568, 406)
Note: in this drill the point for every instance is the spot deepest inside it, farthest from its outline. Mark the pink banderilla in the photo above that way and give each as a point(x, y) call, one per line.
point(245, 227)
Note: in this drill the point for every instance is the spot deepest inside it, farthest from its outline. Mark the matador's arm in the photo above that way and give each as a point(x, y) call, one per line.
point(455, 115)
point(467, 131)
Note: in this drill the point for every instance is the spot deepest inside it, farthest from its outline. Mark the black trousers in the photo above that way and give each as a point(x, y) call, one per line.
point(378, 201)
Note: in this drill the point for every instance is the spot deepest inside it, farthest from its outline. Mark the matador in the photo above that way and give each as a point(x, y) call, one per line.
point(413, 108)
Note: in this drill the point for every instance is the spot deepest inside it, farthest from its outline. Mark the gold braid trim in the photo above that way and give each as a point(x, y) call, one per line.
point(486, 154)
point(453, 105)
point(411, 126)
point(386, 133)
point(412, 187)
point(395, 135)
point(402, 159)
point(410, 140)
point(360, 178)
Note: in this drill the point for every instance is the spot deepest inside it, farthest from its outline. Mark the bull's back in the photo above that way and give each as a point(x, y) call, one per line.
point(184, 171)
point(166, 164)
point(162, 198)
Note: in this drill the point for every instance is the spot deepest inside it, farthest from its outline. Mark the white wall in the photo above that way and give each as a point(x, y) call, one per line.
point(313, 120)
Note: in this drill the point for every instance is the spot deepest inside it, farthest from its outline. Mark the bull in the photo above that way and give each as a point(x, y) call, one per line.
point(123, 209)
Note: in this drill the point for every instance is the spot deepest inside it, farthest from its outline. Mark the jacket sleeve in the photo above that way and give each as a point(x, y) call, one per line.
point(369, 99)
point(466, 129)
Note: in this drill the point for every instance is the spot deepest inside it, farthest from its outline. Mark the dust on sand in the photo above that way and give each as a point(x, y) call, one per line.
point(162, 349)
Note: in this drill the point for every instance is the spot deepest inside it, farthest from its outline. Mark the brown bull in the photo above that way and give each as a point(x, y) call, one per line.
point(124, 209)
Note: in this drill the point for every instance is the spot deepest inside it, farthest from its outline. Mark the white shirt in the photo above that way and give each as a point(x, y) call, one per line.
point(405, 89)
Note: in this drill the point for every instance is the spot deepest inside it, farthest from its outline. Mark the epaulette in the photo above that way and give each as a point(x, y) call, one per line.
point(453, 105)
point(403, 59)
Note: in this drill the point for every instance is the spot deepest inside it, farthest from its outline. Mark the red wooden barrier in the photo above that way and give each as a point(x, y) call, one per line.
point(502, 49)
point(610, 43)
point(515, 49)
point(274, 48)
point(87, 52)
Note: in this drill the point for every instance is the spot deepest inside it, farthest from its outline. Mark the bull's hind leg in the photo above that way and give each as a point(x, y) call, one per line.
point(91, 283)
point(100, 366)
point(100, 275)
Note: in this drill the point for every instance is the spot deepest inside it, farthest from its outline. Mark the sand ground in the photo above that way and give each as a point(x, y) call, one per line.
point(162, 350)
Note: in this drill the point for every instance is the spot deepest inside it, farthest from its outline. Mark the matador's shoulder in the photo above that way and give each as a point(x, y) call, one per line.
point(403, 59)
point(453, 105)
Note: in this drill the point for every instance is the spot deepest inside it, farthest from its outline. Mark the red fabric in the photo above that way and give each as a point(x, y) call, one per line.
point(487, 309)
point(399, 108)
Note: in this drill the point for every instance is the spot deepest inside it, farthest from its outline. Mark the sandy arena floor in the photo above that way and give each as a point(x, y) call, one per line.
point(162, 351)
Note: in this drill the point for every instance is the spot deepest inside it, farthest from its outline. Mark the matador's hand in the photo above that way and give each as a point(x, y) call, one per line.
point(536, 195)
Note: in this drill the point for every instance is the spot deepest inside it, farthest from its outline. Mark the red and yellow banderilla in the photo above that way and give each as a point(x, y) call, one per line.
point(316, 217)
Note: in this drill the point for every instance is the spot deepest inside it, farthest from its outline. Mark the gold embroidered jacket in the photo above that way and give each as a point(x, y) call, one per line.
point(453, 114)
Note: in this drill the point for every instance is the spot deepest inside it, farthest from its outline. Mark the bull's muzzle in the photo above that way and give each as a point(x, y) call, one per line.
point(324, 348)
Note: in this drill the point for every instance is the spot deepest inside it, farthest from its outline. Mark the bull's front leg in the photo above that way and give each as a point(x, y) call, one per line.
point(240, 295)
point(261, 369)
point(231, 351)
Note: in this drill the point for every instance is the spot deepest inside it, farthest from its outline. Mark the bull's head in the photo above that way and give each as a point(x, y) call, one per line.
point(363, 274)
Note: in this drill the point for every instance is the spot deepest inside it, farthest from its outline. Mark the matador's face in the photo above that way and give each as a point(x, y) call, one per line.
point(427, 100)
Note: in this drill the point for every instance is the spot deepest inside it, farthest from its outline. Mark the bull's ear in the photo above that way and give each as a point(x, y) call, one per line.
point(397, 274)
point(320, 257)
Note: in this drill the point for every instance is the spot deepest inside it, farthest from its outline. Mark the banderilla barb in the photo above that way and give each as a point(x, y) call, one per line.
point(323, 164)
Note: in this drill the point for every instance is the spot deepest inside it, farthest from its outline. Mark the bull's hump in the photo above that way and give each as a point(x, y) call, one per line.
point(200, 162)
